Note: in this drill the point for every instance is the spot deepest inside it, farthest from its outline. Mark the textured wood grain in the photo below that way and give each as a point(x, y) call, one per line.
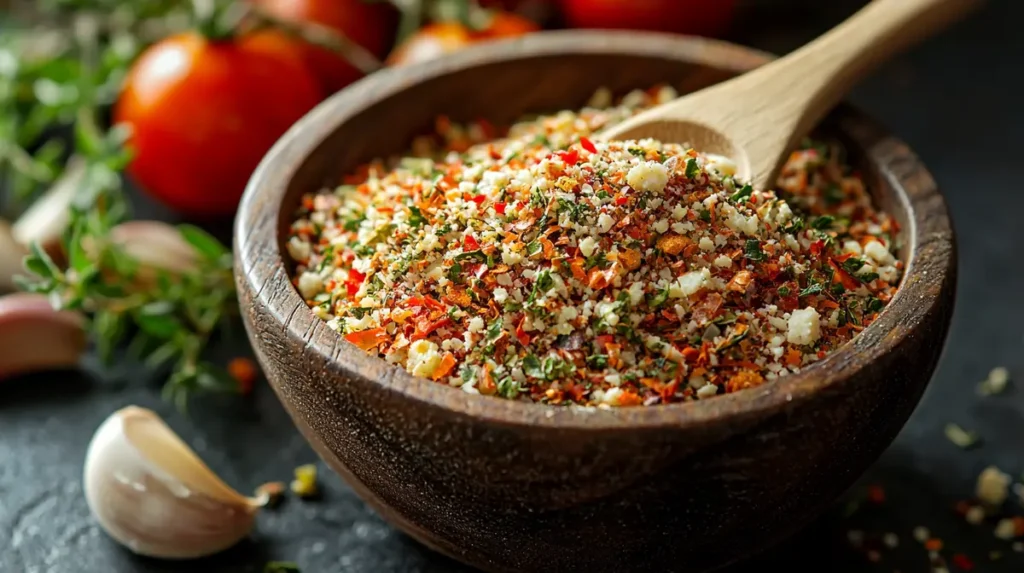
point(511, 486)
point(757, 118)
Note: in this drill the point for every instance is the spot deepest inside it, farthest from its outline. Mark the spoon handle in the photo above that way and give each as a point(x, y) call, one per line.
point(816, 77)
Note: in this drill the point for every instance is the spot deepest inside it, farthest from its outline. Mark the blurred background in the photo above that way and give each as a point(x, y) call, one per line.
point(95, 134)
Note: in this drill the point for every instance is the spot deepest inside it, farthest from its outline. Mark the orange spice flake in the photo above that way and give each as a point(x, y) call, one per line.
point(534, 263)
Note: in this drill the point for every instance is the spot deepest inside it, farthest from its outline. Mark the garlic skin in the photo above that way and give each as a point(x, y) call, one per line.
point(155, 245)
point(34, 336)
point(153, 494)
point(12, 253)
point(47, 219)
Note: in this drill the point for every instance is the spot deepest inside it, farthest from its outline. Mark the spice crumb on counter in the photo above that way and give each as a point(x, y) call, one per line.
point(535, 263)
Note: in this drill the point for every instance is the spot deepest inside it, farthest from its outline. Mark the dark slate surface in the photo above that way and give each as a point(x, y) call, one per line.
point(953, 101)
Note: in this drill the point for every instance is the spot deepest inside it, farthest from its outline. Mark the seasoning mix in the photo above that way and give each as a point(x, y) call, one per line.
point(535, 263)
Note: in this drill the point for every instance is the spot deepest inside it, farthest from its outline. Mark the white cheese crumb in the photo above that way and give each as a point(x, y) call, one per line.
point(707, 391)
point(649, 176)
point(500, 295)
point(993, 486)
point(604, 223)
point(310, 285)
point(804, 326)
point(881, 255)
point(661, 225)
point(706, 244)
point(587, 246)
point(423, 358)
point(679, 212)
point(476, 324)
point(689, 283)
point(299, 249)
point(723, 261)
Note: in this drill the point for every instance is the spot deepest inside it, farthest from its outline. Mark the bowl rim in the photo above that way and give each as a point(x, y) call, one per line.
point(928, 225)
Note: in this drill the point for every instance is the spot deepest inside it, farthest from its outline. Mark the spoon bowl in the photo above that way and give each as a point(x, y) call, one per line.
point(511, 486)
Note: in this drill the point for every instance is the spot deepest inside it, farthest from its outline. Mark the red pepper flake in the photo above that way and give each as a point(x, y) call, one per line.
point(244, 371)
point(500, 207)
point(621, 200)
point(876, 494)
point(817, 247)
point(571, 157)
point(588, 145)
point(470, 243)
point(479, 199)
point(933, 544)
point(355, 280)
point(961, 561)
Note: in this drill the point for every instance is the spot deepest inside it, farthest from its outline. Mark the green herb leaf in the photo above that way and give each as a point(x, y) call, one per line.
point(852, 264)
point(813, 288)
point(532, 367)
point(823, 223)
point(281, 567)
point(743, 194)
point(416, 217)
point(692, 169)
point(157, 319)
point(204, 244)
point(752, 250)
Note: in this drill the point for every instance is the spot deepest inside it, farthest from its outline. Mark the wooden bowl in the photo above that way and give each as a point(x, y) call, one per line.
point(513, 486)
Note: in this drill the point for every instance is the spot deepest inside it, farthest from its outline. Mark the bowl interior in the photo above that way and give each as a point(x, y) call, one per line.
point(502, 92)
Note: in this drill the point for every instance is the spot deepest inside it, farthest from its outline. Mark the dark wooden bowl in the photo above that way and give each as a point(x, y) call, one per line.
point(512, 486)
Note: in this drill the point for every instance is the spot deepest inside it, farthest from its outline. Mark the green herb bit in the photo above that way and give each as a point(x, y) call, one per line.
point(752, 250)
point(692, 169)
point(281, 567)
point(416, 217)
point(852, 264)
point(813, 288)
point(823, 223)
point(784, 291)
point(743, 194)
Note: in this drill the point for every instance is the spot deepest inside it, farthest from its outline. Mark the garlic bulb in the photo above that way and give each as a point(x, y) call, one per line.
point(155, 245)
point(34, 336)
point(12, 253)
point(47, 219)
point(153, 494)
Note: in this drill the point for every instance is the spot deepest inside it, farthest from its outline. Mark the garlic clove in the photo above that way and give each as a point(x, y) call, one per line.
point(47, 219)
point(34, 336)
point(156, 246)
point(12, 255)
point(153, 494)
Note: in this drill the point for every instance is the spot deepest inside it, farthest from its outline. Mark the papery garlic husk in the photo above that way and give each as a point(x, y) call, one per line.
point(154, 495)
point(34, 336)
point(12, 257)
point(156, 245)
point(47, 219)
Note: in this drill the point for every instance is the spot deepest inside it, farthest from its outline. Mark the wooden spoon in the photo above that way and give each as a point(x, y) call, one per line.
point(757, 118)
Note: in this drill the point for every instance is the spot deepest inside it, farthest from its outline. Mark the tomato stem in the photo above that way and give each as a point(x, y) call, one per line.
point(318, 35)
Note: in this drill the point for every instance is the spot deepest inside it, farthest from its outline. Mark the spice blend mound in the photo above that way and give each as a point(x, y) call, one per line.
point(538, 264)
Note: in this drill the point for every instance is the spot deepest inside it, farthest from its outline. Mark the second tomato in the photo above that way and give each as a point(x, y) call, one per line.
point(372, 25)
point(440, 38)
point(699, 17)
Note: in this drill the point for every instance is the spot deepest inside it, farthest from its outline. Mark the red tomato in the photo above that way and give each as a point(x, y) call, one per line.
point(204, 113)
point(440, 38)
point(372, 25)
point(700, 17)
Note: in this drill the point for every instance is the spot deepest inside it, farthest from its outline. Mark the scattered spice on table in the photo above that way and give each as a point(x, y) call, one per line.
point(961, 437)
point(536, 263)
point(245, 372)
point(304, 485)
point(996, 382)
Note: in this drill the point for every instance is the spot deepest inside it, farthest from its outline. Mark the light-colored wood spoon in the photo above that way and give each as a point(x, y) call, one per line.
point(757, 118)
